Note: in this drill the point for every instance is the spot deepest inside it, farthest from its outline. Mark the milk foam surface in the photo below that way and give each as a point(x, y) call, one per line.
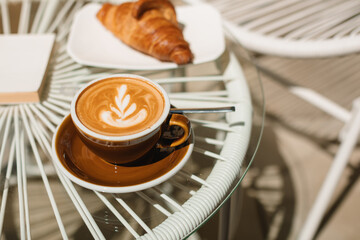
point(120, 106)
point(121, 115)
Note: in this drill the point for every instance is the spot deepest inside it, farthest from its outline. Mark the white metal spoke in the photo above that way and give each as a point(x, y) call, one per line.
point(22, 162)
point(39, 14)
point(24, 17)
point(62, 50)
point(177, 206)
point(7, 183)
point(211, 141)
point(59, 103)
point(72, 87)
point(51, 115)
point(9, 115)
point(168, 199)
point(5, 17)
point(36, 129)
point(81, 208)
point(155, 204)
point(79, 204)
point(49, 13)
point(65, 67)
point(346, 30)
point(60, 97)
point(209, 154)
point(68, 73)
point(181, 187)
point(328, 25)
point(299, 19)
point(42, 117)
point(55, 108)
point(19, 174)
point(244, 7)
point(43, 174)
point(135, 216)
point(338, 31)
point(63, 61)
point(65, 28)
point(195, 178)
point(60, 15)
point(80, 79)
point(41, 128)
point(278, 14)
point(3, 115)
point(303, 29)
point(261, 11)
point(117, 215)
point(215, 125)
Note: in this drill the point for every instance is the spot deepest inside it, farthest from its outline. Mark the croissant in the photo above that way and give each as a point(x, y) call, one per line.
point(149, 26)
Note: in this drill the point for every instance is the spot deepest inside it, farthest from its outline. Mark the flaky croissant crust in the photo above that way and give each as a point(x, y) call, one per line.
point(149, 26)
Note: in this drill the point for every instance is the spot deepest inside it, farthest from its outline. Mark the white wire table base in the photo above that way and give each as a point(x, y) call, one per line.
point(176, 208)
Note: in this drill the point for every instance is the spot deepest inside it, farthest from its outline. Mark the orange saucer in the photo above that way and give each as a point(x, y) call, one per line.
point(87, 169)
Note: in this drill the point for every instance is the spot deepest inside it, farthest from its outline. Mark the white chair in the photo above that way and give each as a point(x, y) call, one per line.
point(304, 29)
point(308, 28)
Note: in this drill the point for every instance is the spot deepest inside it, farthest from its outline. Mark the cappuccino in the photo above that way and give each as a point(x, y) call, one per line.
point(121, 118)
point(120, 106)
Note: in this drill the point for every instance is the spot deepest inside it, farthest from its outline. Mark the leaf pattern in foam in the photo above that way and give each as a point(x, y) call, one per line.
point(122, 111)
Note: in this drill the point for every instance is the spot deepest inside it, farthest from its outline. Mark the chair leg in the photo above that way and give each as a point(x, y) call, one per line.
point(341, 158)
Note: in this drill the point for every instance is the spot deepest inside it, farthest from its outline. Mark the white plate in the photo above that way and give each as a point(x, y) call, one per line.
point(91, 44)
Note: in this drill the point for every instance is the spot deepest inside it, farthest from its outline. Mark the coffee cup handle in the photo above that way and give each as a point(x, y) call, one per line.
point(184, 123)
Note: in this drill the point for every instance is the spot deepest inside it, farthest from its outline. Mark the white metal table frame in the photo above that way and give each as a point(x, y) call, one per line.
point(32, 125)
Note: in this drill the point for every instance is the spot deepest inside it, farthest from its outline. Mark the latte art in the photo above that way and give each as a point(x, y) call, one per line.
point(126, 116)
point(119, 106)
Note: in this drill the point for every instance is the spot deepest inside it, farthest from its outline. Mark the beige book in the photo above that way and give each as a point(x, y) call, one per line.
point(23, 63)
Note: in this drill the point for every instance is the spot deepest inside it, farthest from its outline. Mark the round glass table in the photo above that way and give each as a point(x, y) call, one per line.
point(39, 202)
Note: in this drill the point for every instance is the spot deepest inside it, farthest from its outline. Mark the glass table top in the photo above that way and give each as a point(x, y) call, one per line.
point(33, 191)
